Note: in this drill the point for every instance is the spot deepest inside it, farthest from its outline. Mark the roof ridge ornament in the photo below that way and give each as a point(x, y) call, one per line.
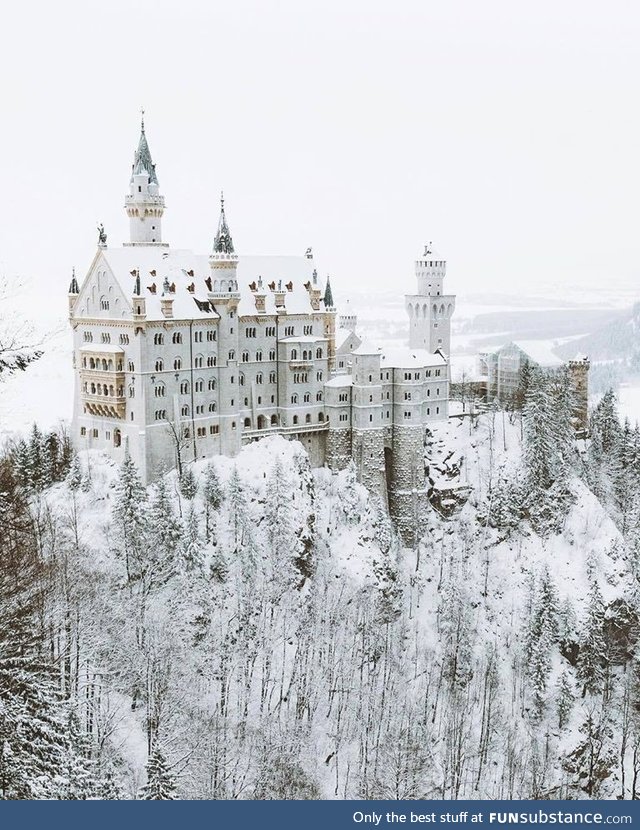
point(223, 243)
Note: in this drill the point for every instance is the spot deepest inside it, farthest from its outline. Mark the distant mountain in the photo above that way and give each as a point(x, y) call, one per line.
point(616, 340)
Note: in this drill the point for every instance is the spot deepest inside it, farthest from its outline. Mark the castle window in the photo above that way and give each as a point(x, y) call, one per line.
point(214, 429)
point(160, 414)
point(319, 396)
point(246, 401)
point(241, 380)
point(318, 354)
point(437, 373)
point(370, 398)
point(184, 387)
point(289, 331)
point(198, 362)
point(387, 413)
point(295, 420)
point(308, 330)
point(416, 376)
point(83, 430)
point(407, 375)
point(211, 335)
point(247, 423)
point(371, 417)
point(437, 410)
point(428, 411)
point(104, 304)
point(342, 397)
point(294, 399)
point(259, 400)
point(307, 398)
point(212, 407)
point(197, 337)
point(87, 337)
point(184, 411)
point(177, 337)
point(341, 364)
point(437, 390)
point(233, 424)
point(259, 356)
point(158, 339)
point(428, 393)
point(124, 339)
point(259, 378)
point(270, 331)
point(407, 396)
point(294, 354)
point(407, 415)
point(272, 377)
point(272, 354)
point(274, 420)
point(428, 373)
point(387, 396)
point(106, 337)
point(212, 384)
point(370, 378)
point(177, 363)
point(318, 375)
point(131, 366)
point(160, 390)
point(159, 365)
point(211, 361)
point(321, 416)
point(307, 419)
point(132, 391)
point(199, 385)
point(186, 432)
point(200, 409)
point(232, 355)
point(245, 357)
point(273, 399)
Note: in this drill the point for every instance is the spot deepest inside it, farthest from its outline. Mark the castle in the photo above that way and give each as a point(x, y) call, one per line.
point(184, 356)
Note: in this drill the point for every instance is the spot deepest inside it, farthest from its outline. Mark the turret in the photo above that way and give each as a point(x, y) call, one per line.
point(144, 204)
point(74, 290)
point(430, 310)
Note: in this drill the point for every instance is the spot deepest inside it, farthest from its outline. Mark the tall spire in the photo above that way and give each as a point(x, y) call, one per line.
point(223, 243)
point(142, 161)
point(328, 295)
point(73, 288)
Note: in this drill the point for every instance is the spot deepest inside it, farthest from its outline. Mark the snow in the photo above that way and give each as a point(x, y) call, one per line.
point(340, 380)
point(405, 358)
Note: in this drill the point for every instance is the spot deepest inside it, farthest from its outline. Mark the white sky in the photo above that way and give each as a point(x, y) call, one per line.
point(506, 132)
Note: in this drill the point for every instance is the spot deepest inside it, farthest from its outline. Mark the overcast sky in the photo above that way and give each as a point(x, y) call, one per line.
point(507, 133)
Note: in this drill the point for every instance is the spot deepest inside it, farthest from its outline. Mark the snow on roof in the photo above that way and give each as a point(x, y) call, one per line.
point(340, 380)
point(183, 267)
point(342, 335)
point(307, 338)
point(404, 358)
point(540, 353)
point(367, 347)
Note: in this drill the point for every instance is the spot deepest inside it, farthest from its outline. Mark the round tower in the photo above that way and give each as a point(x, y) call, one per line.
point(143, 203)
point(430, 310)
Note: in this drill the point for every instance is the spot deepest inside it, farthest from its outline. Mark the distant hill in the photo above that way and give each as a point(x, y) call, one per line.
point(616, 340)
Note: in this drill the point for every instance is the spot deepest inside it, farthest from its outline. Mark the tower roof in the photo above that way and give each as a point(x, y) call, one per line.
point(223, 243)
point(328, 295)
point(73, 287)
point(142, 162)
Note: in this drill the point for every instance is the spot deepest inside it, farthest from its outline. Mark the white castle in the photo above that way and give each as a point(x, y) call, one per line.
point(186, 356)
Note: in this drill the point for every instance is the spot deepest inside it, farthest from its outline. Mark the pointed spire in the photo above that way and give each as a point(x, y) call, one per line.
point(223, 243)
point(73, 288)
point(136, 289)
point(142, 162)
point(328, 295)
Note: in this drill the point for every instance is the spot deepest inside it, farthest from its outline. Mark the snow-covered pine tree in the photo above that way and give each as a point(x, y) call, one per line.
point(161, 785)
point(188, 483)
point(129, 516)
point(74, 478)
point(212, 496)
point(592, 655)
point(164, 532)
point(541, 637)
point(191, 550)
point(564, 699)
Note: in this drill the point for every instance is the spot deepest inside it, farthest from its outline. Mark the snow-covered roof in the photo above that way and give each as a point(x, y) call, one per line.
point(306, 338)
point(342, 335)
point(405, 358)
point(367, 347)
point(183, 267)
point(340, 380)
point(539, 352)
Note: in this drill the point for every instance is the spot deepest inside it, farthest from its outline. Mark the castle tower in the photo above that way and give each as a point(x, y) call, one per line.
point(579, 373)
point(430, 309)
point(225, 297)
point(74, 290)
point(367, 429)
point(143, 203)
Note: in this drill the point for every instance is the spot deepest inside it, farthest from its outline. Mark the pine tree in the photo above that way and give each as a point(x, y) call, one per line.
point(36, 459)
point(541, 637)
point(188, 484)
point(592, 654)
point(161, 785)
point(74, 479)
point(191, 543)
point(212, 495)
point(164, 534)
point(565, 699)
point(129, 515)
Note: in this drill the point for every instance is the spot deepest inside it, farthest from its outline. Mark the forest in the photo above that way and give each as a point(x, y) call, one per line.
point(253, 629)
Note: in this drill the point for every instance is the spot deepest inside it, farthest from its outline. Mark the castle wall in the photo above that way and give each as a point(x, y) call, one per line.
point(408, 500)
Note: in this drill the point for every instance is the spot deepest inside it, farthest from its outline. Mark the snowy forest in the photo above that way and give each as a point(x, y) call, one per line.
point(253, 628)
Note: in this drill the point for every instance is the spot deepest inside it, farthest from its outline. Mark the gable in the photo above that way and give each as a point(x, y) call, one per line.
point(101, 295)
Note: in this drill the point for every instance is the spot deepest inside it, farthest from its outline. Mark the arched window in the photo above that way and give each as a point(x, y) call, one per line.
point(211, 361)
point(158, 339)
point(259, 377)
point(198, 362)
point(258, 356)
point(294, 399)
point(295, 420)
point(272, 377)
point(159, 365)
point(212, 407)
point(232, 355)
point(199, 385)
point(177, 363)
point(294, 354)
point(177, 337)
point(318, 375)
point(319, 396)
point(212, 384)
point(185, 410)
point(318, 354)
point(274, 420)
point(184, 387)
point(241, 379)
point(245, 357)
point(160, 390)
point(321, 416)
point(307, 397)
point(104, 304)
point(307, 419)
point(131, 366)
point(247, 423)
point(272, 354)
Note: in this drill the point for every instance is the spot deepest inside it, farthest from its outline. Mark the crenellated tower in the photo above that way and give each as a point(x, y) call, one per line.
point(143, 203)
point(430, 309)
